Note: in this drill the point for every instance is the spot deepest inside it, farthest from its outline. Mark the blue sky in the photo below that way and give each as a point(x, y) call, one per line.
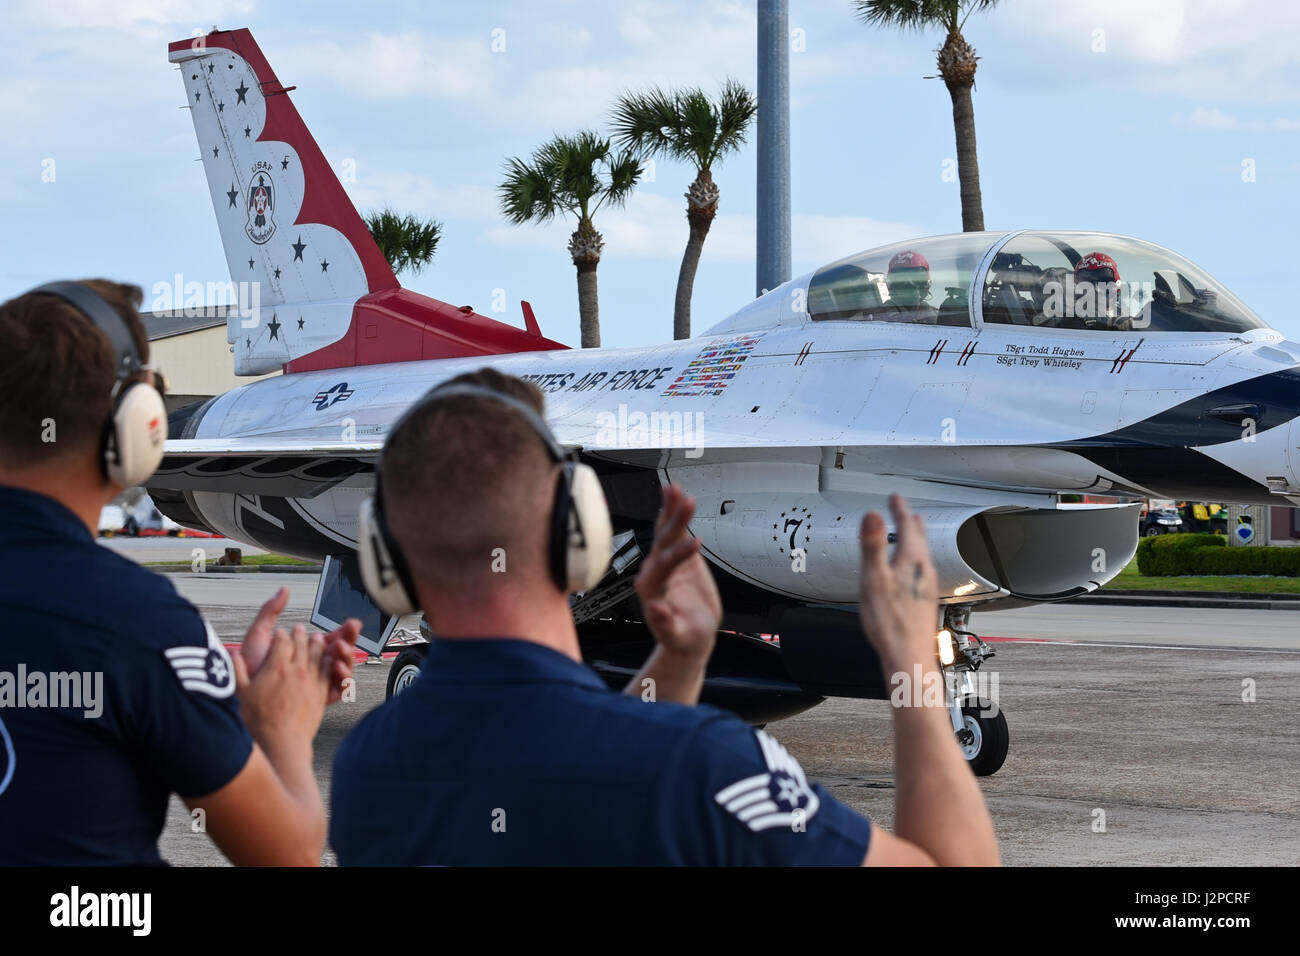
point(1117, 116)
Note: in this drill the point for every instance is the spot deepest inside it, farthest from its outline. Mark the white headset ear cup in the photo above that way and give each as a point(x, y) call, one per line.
point(139, 436)
point(378, 572)
point(588, 553)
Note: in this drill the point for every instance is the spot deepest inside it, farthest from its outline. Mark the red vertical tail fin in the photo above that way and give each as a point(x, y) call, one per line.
point(314, 288)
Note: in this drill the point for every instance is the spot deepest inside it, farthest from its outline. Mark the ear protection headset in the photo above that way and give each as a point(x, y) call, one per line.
point(134, 435)
point(580, 535)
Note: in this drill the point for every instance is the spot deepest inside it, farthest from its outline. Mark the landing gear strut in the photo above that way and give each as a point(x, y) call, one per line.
point(977, 721)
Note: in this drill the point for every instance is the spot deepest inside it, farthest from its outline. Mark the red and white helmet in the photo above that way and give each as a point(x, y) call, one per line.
point(907, 259)
point(1096, 276)
point(1094, 268)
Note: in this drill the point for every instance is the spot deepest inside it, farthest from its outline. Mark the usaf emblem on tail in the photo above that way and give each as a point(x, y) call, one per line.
point(261, 205)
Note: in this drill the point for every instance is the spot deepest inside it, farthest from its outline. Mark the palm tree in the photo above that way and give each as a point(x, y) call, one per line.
point(406, 242)
point(957, 62)
point(686, 125)
point(577, 175)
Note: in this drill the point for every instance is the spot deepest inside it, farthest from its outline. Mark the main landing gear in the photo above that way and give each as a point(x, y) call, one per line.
point(977, 720)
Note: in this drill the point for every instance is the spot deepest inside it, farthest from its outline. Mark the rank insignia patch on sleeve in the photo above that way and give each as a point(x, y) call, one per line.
point(204, 670)
point(777, 798)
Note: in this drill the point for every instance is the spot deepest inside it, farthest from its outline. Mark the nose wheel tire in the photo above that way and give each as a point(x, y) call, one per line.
point(405, 669)
point(984, 738)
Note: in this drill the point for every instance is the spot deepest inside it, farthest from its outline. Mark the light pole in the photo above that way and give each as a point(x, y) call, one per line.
point(773, 207)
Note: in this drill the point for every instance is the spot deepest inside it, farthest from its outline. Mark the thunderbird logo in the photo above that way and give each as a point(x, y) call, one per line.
point(261, 208)
point(332, 396)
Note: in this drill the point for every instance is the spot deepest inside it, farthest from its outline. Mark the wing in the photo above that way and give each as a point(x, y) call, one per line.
point(277, 467)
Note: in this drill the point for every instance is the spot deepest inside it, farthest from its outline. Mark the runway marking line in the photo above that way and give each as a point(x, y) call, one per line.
point(1061, 642)
point(359, 656)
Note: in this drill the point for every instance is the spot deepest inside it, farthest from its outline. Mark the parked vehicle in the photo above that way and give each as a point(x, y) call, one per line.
point(1160, 517)
point(111, 521)
point(146, 519)
point(1204, 518)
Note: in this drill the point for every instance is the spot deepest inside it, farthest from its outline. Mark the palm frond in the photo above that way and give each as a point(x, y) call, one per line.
point(974, 6)
point(684, 124)
point(909, 14)
point(574, 162)
point(644, 120)
point(623, 171)
point(697, 126)
point(575, 174)
point(406, 241)
point(527, 193)
point(737, 107)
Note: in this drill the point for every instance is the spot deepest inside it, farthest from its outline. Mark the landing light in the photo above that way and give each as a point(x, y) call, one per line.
point(945, 647)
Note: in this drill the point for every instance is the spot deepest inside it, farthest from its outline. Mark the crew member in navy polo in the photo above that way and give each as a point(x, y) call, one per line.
point(508, 750)
point(114, 692)
point(154, 712)
point(503, 751)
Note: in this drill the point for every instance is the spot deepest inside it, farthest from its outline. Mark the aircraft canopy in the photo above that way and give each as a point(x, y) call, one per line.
point(1084, 281)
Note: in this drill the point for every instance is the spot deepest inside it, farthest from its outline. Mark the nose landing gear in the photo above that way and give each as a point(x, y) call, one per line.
point(977, 720)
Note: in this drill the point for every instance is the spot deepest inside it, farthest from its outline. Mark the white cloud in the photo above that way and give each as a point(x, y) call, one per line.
point(393, 66)
point(1203, 118)
point(420, 194)
point(1151, 32)
point(821, 239)
point(1190, 48)
point(551, 75)
point(636, 29)
point(1215, 119)
point(136, 16)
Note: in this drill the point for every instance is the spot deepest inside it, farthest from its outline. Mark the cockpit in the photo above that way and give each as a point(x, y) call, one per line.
point(925, 282)
point(1093, 281)
point(1079, 281)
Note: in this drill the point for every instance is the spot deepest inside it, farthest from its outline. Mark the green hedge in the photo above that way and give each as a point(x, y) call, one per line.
point(1170, 555)
point(1276, 562)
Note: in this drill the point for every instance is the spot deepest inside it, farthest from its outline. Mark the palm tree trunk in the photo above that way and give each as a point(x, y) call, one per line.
point(968, 167)
point(957, 63)
point(588, 305)
point(701, 208)
point(686, 281)
point(585, 246)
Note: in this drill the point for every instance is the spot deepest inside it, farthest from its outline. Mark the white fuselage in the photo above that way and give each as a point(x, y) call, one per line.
point(812, 423)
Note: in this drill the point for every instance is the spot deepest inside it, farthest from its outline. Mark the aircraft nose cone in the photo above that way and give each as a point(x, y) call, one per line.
point(1263, 451)
point(1292, 458)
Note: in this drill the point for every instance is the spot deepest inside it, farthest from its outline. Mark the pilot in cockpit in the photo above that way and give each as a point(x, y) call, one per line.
point(1099, 293)
point(908, 281)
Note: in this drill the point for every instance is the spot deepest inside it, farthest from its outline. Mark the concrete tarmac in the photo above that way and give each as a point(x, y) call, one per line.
point(1154, 736)
point(174, 550)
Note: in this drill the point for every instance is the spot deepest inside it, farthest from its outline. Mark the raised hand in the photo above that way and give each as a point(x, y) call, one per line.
point(678, 595)
point(899, 595)
point(340, 644)
point(340, 655)
point(283, 703)
point(257, 639)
